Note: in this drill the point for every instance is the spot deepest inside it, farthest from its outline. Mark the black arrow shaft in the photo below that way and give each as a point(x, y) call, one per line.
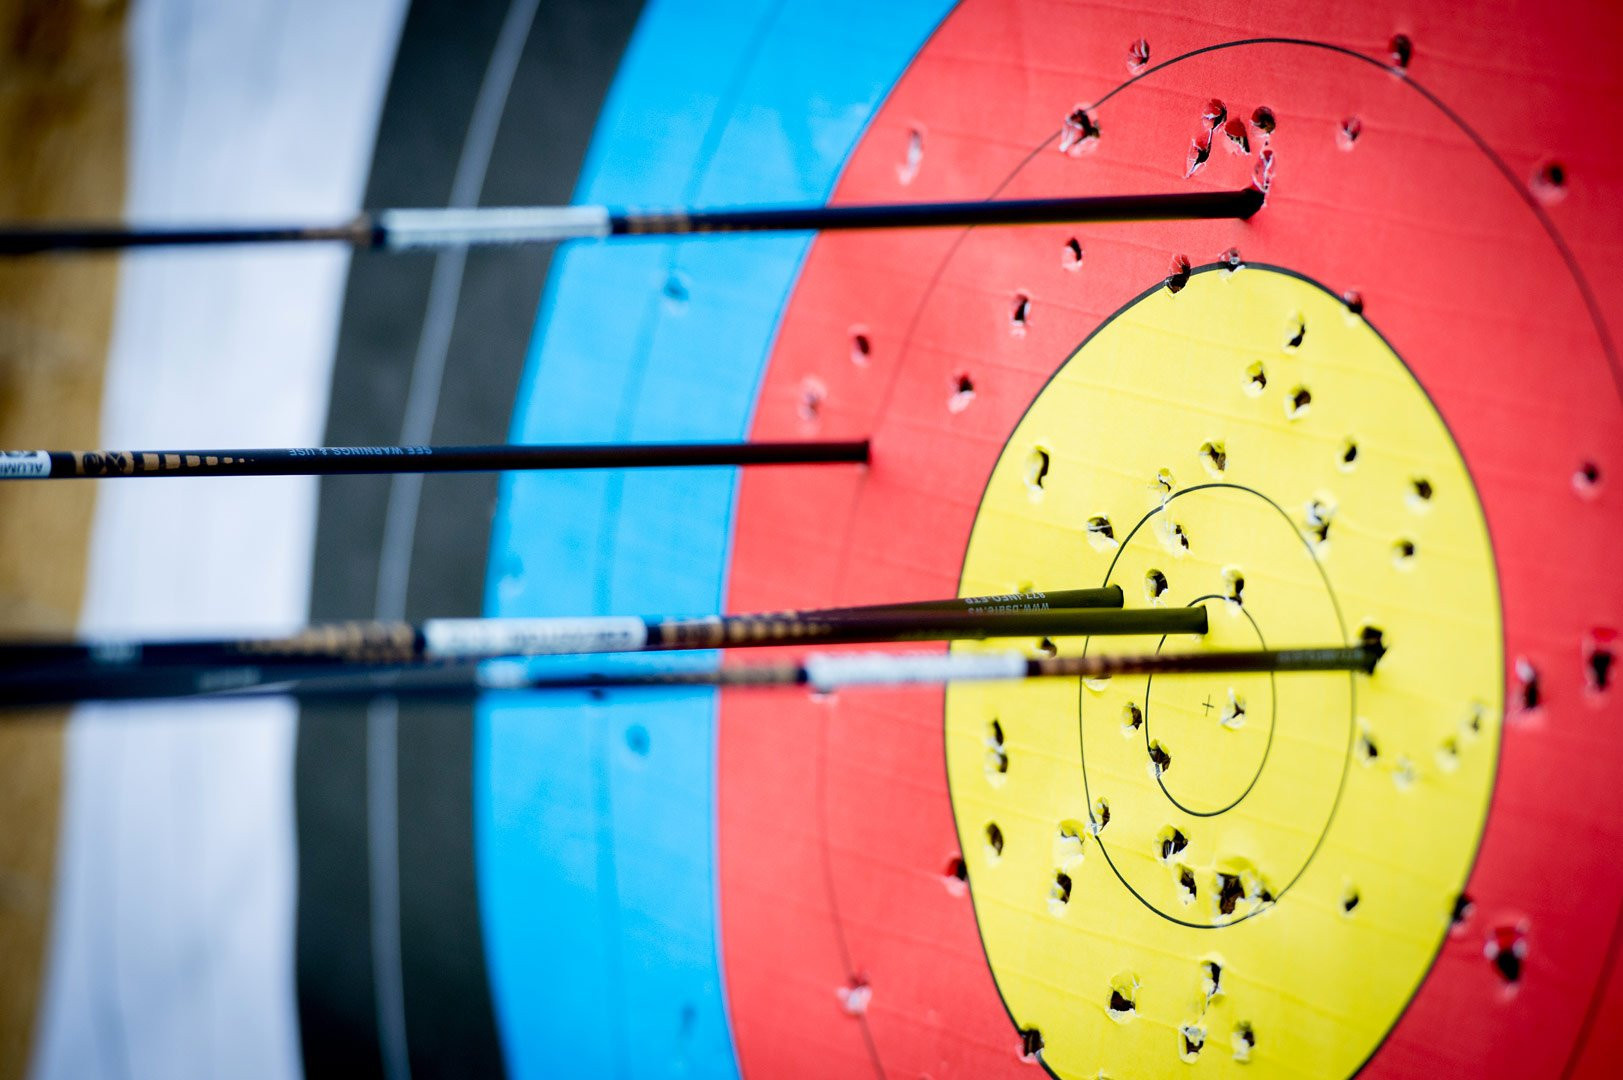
point(343, 460)
point(392, 643)
point(418, 230)
point(1089, 209)
point(826, 673)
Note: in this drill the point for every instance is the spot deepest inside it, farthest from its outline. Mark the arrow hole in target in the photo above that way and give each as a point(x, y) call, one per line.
point(994, 841)
point(909, 168)
point(1230, 892)
point(1068, 843)
point(1211, 978)
point(1100, 816)
point(1193, 1037)
point(1021, 314)
point(1319, 512)
point(1188, 893)
point(1365, 747)
point(1138, 55)
point(1239, 140)
point(1348, 132)
point(1132, 718)
point(1122, 1003)
point(1420, 494)
point(1178, 277)
point(1401, 50)
point(1079, 133)
point(1256, 379)
point(1296, 404)
point(1529, 691)
point(997, 756)
point(861, 346)
point(1506, 950)
point(1059, 894)
point(813, 393)
point(1464, 908)
point(1599, 658)
point(1349, 455)
point(855, 995)
point(1586, 481)
point(1037, 466)
point(1101, 534)
point(1200, 151)
point(1295, 334)
point(1244, 1041)
point(1160, 760)
point(1549, 183)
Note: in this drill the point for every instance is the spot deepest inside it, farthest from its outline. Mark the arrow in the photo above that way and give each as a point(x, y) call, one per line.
point(338, 460)
point(433, 229)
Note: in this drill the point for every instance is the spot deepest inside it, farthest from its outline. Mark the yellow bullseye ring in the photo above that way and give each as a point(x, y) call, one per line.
point(1249, 875)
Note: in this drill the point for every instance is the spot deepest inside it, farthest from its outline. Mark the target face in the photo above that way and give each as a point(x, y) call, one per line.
point(1388, 401)
point(1285, 879)
point(1324, 824)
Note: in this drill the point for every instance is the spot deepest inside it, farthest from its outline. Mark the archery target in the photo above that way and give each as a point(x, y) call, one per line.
point(835, 815)
point(836, 909)
point(1389, 400)
point(1324, 823)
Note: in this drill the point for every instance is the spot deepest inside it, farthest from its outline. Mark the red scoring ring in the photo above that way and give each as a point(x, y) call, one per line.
point(835, 832)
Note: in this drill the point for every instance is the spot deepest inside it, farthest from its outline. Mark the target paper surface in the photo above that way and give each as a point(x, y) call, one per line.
point(1388, 401)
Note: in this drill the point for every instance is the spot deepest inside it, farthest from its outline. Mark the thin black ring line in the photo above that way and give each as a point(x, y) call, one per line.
point(1352, 713)
point(1585, 292)
point(1273, 719)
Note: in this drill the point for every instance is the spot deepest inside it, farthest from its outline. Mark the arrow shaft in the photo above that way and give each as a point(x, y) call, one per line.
point(435, 229)
point(345, 460)
point(824, 673)
point(394, 643)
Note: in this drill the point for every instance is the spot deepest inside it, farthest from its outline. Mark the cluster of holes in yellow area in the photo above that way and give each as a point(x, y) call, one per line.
point(1121, 1005)
point(1405, 771)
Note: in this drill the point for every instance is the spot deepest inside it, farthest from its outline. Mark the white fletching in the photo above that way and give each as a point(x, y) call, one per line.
point(831, 671)
point(404, 230)
point(471, 639)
